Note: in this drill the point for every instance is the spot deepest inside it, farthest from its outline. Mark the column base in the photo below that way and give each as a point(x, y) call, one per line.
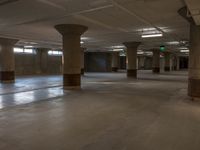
point(156, 70)
point(132, 73)
point(114, 69)
point(194, 88)
point(71, 81)
point(7, 76)
point(82, 71)
point(167, 69)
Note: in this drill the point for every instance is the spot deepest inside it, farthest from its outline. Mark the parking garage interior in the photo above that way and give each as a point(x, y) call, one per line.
point(99, 75)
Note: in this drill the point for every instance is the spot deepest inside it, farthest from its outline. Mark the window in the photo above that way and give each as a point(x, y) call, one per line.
point(55, 53)
point(24, 50)
point(18, 50)
point(30, 51)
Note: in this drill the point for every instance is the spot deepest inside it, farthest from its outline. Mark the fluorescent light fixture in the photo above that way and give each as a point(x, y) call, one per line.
point(152, 35)
point(82, 42)
point(118, 47)
point(28, 46)
point(173, 43)
point(140, 53)
point(118, 50)
point(85, 38)
point(149, 53)
point(184, 50)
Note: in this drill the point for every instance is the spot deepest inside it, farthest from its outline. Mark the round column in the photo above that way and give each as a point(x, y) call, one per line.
point(7, 60)
point(194, 56)
point(115, 61)
point(177, 63)
point(156, 61)
point(132, 58)
point(167, 61)
point(72, 54)
point(194, 62)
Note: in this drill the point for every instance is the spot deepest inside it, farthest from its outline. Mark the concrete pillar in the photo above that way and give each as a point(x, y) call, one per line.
point(7, 60)
point(177, 63)
point(173, 62)
point(156, 61)
point(194, 56)
point(42, 61)
point(72, 54)
point(82, 61)
point(167, 61)
point(194, 61)
point(115, 61)
point(132, 58)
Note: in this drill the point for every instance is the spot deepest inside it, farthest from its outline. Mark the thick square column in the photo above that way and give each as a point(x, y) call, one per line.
point(72, 54)
point(131, 58)
point(7, 60)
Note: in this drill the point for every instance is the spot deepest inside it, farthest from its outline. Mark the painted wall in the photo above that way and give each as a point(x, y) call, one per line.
point(39, 63)
point(98, 62)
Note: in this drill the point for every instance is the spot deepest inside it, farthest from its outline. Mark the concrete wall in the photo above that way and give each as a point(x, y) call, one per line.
point(39, 63)
point(98, 62)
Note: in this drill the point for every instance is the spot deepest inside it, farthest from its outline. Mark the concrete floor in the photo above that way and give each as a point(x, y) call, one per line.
point(111, 112)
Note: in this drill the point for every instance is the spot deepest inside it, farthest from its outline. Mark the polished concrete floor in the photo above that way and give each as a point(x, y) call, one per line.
point(111, 112)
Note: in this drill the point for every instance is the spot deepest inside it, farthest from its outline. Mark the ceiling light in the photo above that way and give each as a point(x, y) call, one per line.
point(140, 53)
point(152, 35)
point(184, 50)
point(28, 46)
point(149, 53)
point(82, 42)
point(85, 38)
point(118, 50)
point(173, 43)
point(118, 47)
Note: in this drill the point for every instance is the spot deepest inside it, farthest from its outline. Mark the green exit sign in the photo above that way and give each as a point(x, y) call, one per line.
point(162, 48)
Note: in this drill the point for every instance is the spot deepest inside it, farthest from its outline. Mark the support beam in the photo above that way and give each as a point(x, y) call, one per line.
point(72, 54)
point(7, 60)
point(132, 58)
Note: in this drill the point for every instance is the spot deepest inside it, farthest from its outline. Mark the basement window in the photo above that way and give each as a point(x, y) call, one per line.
point(18, 50)
point(24, 50)
point(55, 53)
point(30, 51)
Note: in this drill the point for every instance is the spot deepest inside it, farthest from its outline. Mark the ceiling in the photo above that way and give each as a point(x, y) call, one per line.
point(110, 22)
point(194, 8)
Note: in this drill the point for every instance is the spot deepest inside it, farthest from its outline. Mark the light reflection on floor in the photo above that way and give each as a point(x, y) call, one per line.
point(10, 100)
